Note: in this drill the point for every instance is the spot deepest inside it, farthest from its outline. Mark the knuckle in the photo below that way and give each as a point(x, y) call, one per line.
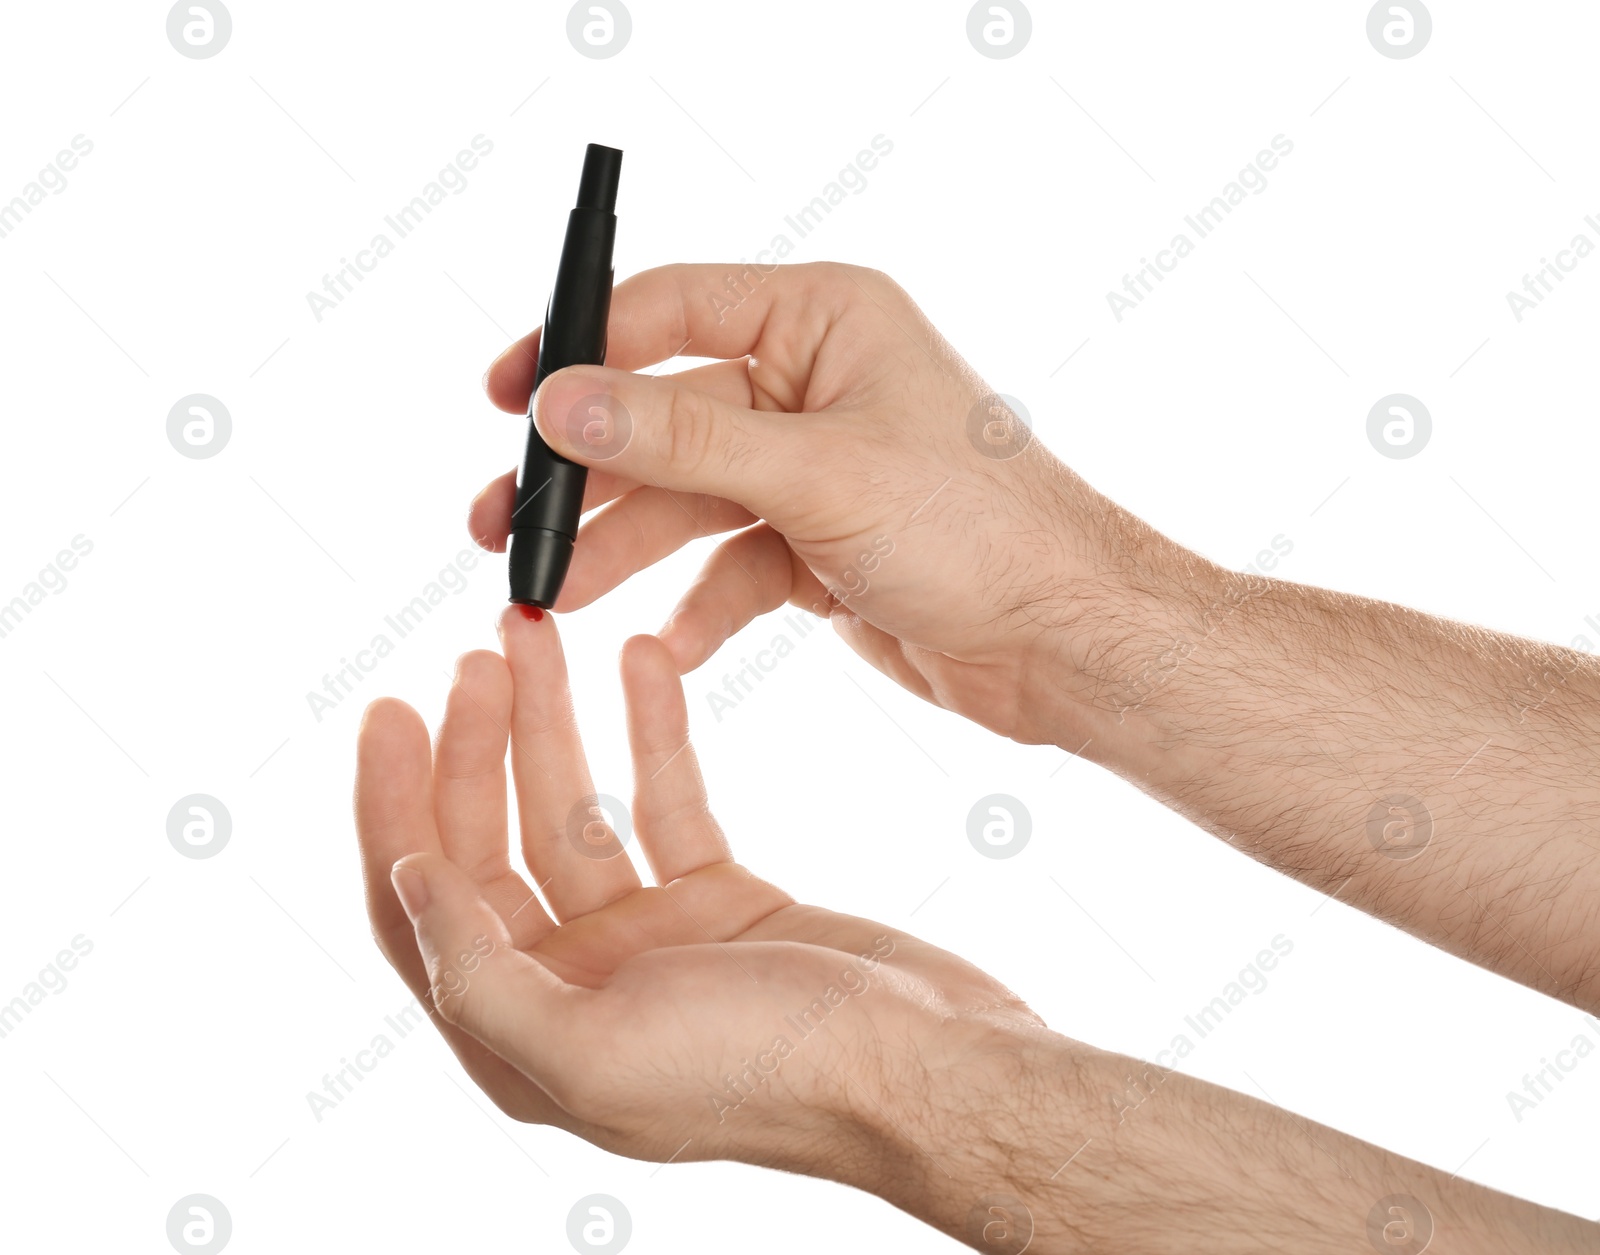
point(879, 283)
point(690, 435)
point(451, 999)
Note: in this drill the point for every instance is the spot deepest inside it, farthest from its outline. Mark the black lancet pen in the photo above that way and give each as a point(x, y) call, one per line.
point(549, 502)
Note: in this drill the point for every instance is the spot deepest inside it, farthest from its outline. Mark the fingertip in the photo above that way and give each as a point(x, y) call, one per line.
point(392, 750)
point(489, 515)
point(645, 654)
point(410, 880)
point(556, 402)
point(511, 622)
point(509, 379)
point(650, 679)
point(386, 717)
point(519, 627)
point(480, 671)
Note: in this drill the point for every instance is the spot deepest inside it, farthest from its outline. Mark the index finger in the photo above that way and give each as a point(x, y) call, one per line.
point(710, 310)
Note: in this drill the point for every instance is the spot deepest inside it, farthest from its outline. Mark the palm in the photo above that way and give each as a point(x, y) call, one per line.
point(692, 978)
point(695, 975)
point(702, 995)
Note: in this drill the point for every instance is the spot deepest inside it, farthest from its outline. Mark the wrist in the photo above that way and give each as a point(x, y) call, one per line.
point(962, 1137)
point(1134, 611)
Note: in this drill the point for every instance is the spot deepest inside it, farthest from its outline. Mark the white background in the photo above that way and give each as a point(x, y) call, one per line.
point(178, 657)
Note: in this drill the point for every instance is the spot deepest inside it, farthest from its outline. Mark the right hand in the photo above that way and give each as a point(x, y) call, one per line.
point(875, 477)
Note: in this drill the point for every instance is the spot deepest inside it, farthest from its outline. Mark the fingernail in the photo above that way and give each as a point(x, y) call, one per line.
point(411, 889)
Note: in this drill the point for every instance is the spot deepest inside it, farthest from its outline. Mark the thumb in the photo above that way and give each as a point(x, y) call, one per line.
point(661, 431)
point(483, 984)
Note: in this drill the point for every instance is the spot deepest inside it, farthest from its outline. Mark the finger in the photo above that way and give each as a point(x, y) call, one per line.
point(469, 792)
point(637, 531)
point(394, 811)
point(729, 382)
point(394, 819)
point(745, 577)
point(489, 516)
point(512, 373)
point(715, 310)
point(554, 791)
point(670, 812)
point(640, 528)
point(485, 986)
point(671, 436)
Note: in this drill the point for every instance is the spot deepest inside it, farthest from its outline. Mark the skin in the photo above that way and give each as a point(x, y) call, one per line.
point(711, 1016)
point(1439, 776)
point(1285, 719)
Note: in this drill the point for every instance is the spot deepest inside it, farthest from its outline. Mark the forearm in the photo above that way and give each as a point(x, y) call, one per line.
point(1088, 1151)
point(1443, 777)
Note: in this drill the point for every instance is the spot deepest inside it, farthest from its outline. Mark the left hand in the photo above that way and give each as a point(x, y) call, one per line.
point(706, 1016)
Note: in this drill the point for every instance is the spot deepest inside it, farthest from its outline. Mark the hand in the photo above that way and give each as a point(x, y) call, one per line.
point(707, 1016)
point(951, 550)
point(711, 1016)
point(1304, 726)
